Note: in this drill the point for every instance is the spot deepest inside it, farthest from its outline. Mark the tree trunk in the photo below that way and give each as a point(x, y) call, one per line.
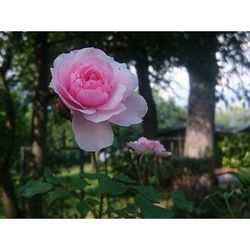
point(150, 119)
point(7, 190)
point(39, 121)
point(199, 142)
point(202, 68)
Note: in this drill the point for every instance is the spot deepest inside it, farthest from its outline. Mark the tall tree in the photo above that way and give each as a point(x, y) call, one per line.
point(203, 71)
point(39, 118)
point(150, 124)
point(6, 185)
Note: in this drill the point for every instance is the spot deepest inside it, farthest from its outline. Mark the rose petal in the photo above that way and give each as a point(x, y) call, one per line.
point(64, 57)
point(140, 148)
point(117, 65)
point(70, 102)
point(126, 78)
point(136, 108)
point(104, 115)
point(91, 136)
point(115, 98)
point(77, 55)
point(90, 52)
point(91, 97)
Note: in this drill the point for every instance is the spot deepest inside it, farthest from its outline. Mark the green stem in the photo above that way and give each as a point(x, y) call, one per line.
point(138, 171)
point(157, 171)
point(107, 196)
point(229, 208)
point(96, 167)
point(94, 162)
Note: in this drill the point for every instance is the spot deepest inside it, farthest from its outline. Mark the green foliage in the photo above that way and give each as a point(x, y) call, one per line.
point(232, 118)
point(169, 114)
point(181, 202)
point(111, 187)
point(244, 176)
point(83, 208)
point(58, 193)
point(235, 150)
point(148, 192)
point(78, 183)
point(33, 188)
point(149, 210)
point(50, 177)
point(124, 178)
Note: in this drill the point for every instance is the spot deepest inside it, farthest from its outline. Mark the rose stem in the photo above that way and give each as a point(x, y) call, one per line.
point(138, 171)
point(106, 172)
point(96, 167)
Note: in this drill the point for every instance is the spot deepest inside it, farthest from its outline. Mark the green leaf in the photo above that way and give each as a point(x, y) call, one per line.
point(92, 202)
point(244, 176)
point(58, 194)
point(120, 213)
point(149, 210)
point(83, 208)
point(109, 186)
point(131, 209)
point(32, 188)
point(93, 176)
point(77, 183)
point(50, 177)
point(148, 192)
point(125, 179)
point(181, 202)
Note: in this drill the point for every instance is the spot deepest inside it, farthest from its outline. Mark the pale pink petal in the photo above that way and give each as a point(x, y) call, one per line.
point(115, 98)
point(90, 52)
point(77, 55)
point(136, 110)
point(91, 136)
point(91, 97)
point(99, 65)
point(142, 140)
point(69, 101)
point(65, 57)
point(104, 115)
point(140, 148)
point(117, 65)
point(126, 78)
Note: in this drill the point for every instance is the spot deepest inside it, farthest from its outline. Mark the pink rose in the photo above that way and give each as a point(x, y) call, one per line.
point(98, 91)
point(143, 146)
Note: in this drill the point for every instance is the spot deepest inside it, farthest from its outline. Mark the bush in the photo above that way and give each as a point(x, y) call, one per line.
point(235, 150)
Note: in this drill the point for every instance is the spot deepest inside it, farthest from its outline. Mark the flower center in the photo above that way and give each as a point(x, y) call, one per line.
point(90, 86)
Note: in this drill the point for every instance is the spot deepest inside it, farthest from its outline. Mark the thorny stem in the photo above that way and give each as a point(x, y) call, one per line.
point(96, 167)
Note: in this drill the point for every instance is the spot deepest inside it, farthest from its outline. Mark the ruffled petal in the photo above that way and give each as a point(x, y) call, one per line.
point(104, 115)
point(136, 108)
point(115, 98)
point(91, 136)
point(126, 78)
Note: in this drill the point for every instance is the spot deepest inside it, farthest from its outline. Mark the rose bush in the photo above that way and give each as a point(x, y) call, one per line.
point(143, 146)
point(98, 91)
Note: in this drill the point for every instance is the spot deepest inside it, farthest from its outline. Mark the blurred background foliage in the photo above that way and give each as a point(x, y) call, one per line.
point(34, 137)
